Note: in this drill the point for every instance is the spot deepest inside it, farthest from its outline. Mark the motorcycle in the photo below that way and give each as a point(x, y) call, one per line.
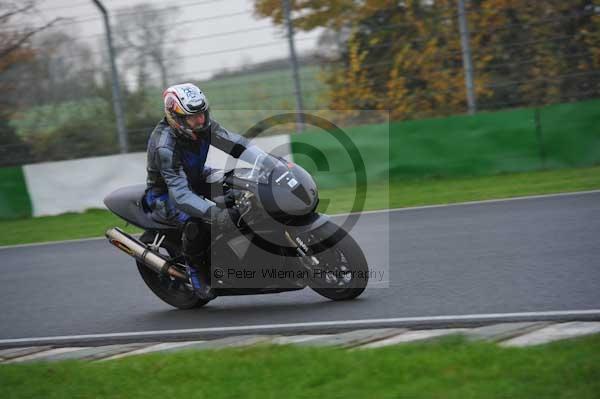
point(280, 243)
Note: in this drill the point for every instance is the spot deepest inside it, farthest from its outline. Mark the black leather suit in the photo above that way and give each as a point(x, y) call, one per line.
point(177, 172)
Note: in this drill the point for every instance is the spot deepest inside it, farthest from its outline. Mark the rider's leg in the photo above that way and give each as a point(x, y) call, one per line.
point(195, 244)
point(195, 239)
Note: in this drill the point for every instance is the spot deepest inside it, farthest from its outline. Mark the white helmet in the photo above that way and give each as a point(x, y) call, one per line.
point(182, 101)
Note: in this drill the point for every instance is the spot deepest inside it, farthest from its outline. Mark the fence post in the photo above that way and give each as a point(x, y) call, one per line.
point(294, 62)
point(540, 137)
point(466, 56)
point(116, 89)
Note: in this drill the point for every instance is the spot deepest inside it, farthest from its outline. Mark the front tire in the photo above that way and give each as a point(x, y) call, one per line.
point(343, 270)
point(174, 292)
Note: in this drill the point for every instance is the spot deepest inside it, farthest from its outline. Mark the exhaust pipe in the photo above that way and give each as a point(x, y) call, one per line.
point(141, 252)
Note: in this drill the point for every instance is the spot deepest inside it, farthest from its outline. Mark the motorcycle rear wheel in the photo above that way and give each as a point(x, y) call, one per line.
point(171, 291)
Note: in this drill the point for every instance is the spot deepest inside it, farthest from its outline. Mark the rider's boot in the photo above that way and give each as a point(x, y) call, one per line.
point(201, 288)
point(197, 263)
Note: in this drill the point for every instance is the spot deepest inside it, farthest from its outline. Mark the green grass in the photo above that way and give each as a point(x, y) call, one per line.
point(261, 91)
point(402, 193)
point(271, 89)
point(449, 368)
point(433, 191)
point(92, 223)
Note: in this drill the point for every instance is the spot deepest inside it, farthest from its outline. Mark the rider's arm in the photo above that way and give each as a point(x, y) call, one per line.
point(179, 191)
point(233, 144)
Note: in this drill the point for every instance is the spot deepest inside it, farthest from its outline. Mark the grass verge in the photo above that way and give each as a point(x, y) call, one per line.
point(397, 194)
point(434, 191)
point(449, 368)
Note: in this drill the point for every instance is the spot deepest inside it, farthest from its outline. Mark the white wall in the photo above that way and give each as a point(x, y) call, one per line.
point(74, 186)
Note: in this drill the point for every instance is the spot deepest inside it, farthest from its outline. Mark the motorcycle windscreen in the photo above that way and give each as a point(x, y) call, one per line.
point(256, 165)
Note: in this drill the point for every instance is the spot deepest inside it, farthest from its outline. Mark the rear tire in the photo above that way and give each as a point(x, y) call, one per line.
point(339, 253)
point(174, 292)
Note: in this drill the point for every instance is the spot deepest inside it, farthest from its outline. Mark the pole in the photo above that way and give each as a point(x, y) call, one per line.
point(294, 62)
point(116, 89)
point(540, 136)
point(466, 56)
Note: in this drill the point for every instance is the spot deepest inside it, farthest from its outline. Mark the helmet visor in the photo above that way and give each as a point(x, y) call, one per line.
point(198, 122)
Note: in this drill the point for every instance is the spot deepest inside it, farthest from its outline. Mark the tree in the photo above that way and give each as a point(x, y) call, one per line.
point(537, 53)
point(406, 56)
point(15, 51)
point(410, 61)
point(15, 41)
point(332, 14)
point(145, 40)
point(62, 69)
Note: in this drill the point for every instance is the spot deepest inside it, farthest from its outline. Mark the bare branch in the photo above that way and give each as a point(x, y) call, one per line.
point(5, 17)
point(15, 46)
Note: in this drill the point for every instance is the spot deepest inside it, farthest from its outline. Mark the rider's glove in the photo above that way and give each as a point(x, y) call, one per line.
point(223, 219)
point(229, 198)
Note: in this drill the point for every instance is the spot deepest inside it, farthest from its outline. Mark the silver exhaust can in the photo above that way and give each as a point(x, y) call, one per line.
point(141, 252)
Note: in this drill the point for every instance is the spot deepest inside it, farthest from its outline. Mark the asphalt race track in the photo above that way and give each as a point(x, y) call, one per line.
point(525, 255)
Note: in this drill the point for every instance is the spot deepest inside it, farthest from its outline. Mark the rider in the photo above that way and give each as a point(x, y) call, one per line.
point(176, 183)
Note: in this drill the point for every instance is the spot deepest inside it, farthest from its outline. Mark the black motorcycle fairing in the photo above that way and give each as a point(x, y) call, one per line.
point(311, 223)
point(236, 254)
point(290, 193)
point(126, 203)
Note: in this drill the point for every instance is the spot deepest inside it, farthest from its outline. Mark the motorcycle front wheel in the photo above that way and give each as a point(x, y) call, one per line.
point(342, 272)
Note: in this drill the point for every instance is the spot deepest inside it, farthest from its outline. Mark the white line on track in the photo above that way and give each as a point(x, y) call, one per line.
point(407, 209)
point(319, 324)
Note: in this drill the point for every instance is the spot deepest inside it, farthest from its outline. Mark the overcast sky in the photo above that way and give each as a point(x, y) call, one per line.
point(88, 27)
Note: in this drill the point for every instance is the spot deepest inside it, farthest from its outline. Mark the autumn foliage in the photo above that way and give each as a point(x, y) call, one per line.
point(406, 57)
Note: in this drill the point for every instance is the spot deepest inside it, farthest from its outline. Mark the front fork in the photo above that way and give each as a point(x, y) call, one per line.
point(309, 261)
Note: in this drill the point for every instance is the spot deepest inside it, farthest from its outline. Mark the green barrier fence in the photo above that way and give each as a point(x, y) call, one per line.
point(14, 198)
point(563, 135)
